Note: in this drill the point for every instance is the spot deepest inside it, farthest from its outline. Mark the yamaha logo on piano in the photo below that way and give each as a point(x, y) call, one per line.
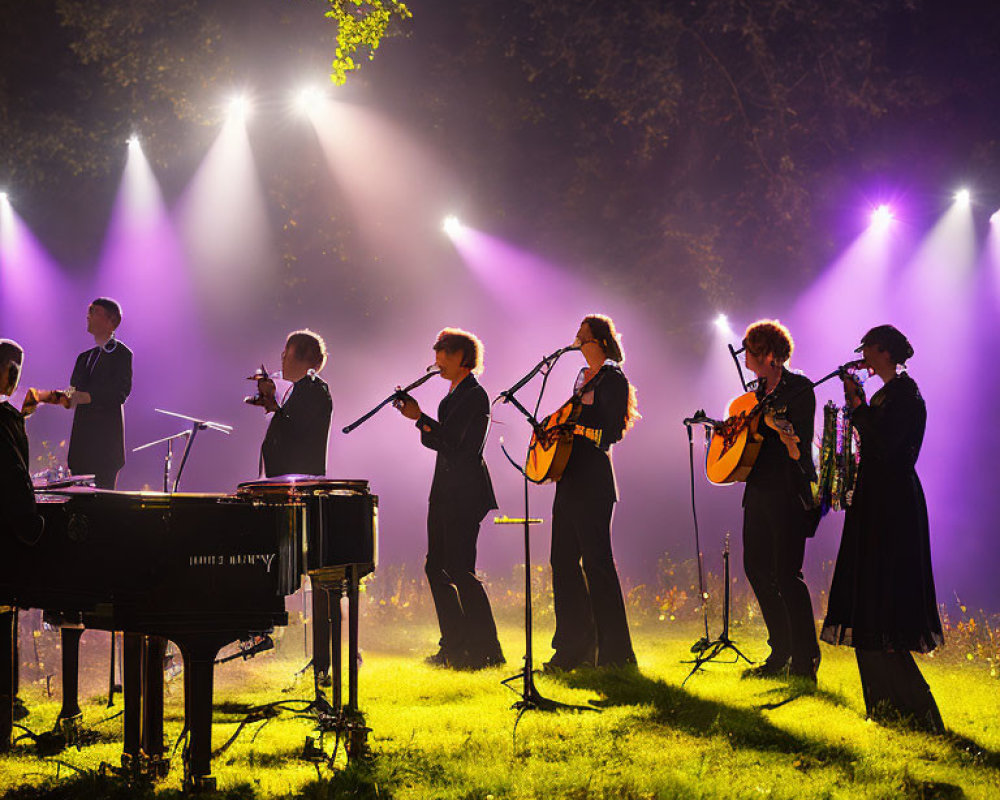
point(233, 560)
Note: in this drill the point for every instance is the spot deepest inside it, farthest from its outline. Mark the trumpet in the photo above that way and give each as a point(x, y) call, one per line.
point(857, 370)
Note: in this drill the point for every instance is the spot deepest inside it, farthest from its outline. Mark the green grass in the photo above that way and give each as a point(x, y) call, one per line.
point(443, 734)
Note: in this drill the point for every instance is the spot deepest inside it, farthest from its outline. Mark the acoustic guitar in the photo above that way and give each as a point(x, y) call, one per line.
point(552, 443)
point(550, 447)
point(736, 442)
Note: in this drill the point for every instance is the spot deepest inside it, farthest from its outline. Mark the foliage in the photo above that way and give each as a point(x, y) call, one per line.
point(361, 24)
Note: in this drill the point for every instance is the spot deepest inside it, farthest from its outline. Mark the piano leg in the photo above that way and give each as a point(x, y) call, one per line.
point(8, 684)
point(70, 711)
point(132, 647)
point(199, 667)
point(321, 631)
point(336, 641)
point(152, 707)
point(352, 639)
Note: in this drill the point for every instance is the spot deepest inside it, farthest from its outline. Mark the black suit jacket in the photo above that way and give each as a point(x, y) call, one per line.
point(590, 470)
point(296, 438)
point(97, 442)
point(461, 478)
point(18, 516)
point(774, 472)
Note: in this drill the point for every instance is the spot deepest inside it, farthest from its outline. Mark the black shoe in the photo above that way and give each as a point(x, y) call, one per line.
point(771, 668)
point(804, 670)
point(628, 664)
point(558, 664)
point(442, 658)
point(482, 660)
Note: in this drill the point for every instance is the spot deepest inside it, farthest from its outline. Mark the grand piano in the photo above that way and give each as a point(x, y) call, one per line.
point(200, 570)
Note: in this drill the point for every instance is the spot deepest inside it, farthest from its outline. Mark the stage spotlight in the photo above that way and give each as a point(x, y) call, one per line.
point(133, 141)
point(881, 216)
point(995, 218)
point(451, 225)
point(4, 198)
point(722, 323)
point(239, 105)
point(308, 99)
point(963, 197)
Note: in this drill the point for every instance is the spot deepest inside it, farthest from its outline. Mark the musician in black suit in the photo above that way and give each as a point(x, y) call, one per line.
point(296, 444)
point(17, 498)
point(100, 385)
point(777, 507)
point(20, 523)
point(591, 625)
point(882, 600)
point(461, 495)
point(296, 438)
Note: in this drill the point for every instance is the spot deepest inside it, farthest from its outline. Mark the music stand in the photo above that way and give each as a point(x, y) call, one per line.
point(188, 435)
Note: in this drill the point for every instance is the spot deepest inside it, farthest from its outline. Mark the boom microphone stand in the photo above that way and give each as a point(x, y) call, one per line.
point(531, 698)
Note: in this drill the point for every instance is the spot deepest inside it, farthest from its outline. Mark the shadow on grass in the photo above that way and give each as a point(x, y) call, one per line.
point(697, 716)
point(356, 782)
point(787, 694)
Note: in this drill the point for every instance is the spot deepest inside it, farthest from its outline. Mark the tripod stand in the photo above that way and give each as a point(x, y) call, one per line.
point(707, 649)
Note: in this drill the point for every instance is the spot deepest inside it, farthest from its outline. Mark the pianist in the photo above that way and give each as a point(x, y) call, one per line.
point(296, 444)
point(17, 499)
point(19, 519)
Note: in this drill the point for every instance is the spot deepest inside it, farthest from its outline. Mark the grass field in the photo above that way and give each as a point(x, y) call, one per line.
point(444, 734)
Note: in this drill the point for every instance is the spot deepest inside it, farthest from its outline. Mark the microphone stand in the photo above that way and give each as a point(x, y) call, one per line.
point(531, 699)
point(394, 396)
point(706, 649)
point(196, 425)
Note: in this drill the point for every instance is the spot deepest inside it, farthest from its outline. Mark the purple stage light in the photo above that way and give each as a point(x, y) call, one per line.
point(963, 197)
point(452, 226)
point(995, 217)
point(882, 216)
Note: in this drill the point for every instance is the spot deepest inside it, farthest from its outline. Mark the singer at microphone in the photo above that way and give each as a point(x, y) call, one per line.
point(591, 624)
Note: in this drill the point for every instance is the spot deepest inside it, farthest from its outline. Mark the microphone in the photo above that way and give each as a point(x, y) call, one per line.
point(433, 370)
point(562, 351)
point(699, 417)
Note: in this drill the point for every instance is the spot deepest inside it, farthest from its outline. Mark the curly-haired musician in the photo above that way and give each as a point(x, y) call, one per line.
point(461, 495)
point(776, 507)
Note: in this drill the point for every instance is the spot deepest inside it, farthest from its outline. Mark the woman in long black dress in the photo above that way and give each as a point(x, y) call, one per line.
point(591, 626)
point(882, 601)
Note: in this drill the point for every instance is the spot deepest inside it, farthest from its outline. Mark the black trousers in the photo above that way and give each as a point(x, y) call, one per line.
point(775, 529)
point(590, 610)
point(894, 688)
point(463, 609)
